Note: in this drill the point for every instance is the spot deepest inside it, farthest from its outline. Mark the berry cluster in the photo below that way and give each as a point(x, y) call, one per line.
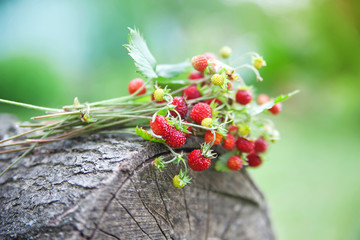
point(209, 106)
point(213, 103)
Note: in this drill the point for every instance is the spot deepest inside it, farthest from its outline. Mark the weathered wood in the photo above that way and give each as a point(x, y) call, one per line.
point(104, 187)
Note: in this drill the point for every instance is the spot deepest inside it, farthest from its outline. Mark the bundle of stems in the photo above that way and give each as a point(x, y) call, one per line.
point(78, 119)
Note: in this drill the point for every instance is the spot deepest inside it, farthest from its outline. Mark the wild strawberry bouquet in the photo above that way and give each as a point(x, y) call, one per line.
point(204, 97)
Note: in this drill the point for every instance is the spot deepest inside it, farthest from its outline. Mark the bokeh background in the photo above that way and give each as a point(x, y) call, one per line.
point(52, 51)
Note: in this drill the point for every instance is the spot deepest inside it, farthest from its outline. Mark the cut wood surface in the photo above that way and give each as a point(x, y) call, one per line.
point(103, 186)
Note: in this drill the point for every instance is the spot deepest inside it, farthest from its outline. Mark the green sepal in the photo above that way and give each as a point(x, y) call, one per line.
point(159, 164)
point(184, 177)
point(178, 125)
point(213, 106)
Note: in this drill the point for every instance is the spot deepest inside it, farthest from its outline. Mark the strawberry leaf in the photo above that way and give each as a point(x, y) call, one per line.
point(284, 97)
point(259, 109)
point(147, 136)
point(162, 112)
point(221, 163)
point(172, 70)
point(139, 51)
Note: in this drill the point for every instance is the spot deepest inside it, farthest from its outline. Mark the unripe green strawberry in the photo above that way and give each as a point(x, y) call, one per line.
point(244, 130)
point(177, 182)
point(159, 94)
point(217, 79)
point(259, 62)
point(225, 52)
point(206, 122)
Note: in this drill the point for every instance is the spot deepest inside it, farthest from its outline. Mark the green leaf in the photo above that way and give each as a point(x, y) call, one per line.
point(284, 97)
point(163, 112)
point(221, 166)
point(172, 70)
point(221, 163)
point(139, 51)
point(147, 136)
point(259, 109)
point(171, 82)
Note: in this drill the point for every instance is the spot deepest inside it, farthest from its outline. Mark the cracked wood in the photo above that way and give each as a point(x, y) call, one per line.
point(104, 187)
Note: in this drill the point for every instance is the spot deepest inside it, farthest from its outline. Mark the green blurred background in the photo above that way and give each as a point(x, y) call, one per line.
point(52, 51)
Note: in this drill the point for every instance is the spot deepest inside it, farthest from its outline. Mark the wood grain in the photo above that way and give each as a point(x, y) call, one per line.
point(104, 187)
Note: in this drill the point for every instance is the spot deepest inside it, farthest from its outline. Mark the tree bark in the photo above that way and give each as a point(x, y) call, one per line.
point(103, 186)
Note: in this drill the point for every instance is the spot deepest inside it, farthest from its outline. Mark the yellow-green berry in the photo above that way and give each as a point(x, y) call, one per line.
point(206, 122)
point(225, 52)
point(217, 79)
point(178, 183)
point(259, 62)
point(244, 130)
point(159, 94)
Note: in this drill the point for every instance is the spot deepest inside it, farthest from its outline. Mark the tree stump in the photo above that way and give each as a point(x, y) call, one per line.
point(103, 186)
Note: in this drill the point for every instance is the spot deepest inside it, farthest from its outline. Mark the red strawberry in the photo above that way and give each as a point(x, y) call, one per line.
point(209, 136)
point(153, 99)
point(175, 139)
point(261, 145)
point(199, 62)
point(160, 126)
point(254, 160)
point(135, 84)
point(200, 111)
point(276, 109)
point(262, 98)
point(191, 93)
point(229, 142)
point(244, 145)
point(208, 101)
point(209, 56)
point(233, 129)
point(181, 107)
point(235, 163)
point(243, 97)
point(188, 128)
point(197, 161)
point(195, 75)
